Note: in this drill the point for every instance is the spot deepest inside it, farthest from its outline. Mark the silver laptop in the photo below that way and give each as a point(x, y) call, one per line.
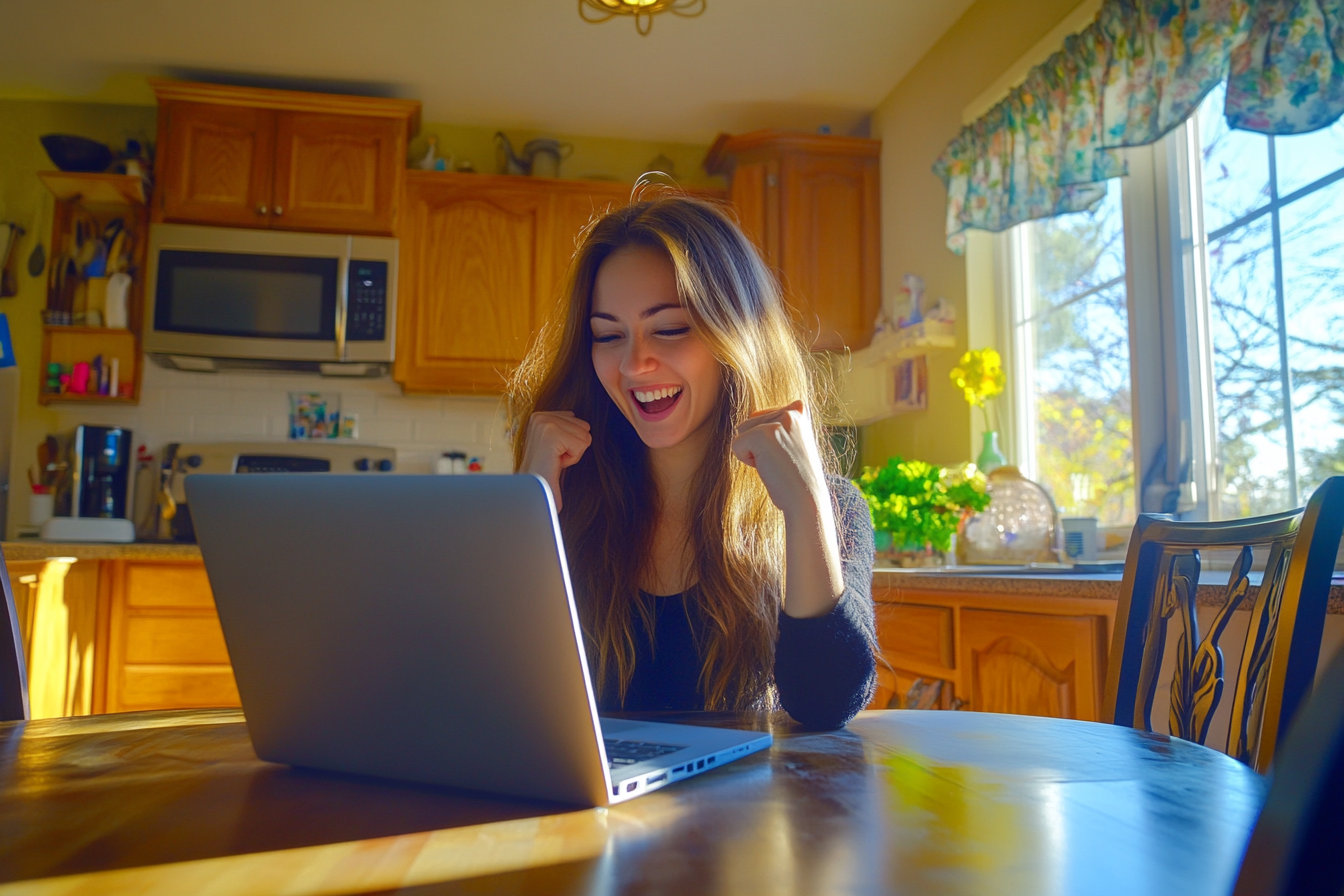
point(423, 628)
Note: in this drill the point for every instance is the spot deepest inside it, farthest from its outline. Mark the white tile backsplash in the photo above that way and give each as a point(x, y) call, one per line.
point(176, 405)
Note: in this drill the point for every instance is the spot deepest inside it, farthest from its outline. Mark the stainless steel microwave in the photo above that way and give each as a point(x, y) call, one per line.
point(310, 301)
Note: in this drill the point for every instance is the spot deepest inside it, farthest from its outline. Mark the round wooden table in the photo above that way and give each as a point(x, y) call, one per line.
point(899, 802)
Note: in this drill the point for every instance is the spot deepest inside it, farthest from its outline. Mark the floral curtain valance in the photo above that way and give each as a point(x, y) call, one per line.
point(1127, 79)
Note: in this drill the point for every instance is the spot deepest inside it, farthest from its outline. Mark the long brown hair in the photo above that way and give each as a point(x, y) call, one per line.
point(610, 500)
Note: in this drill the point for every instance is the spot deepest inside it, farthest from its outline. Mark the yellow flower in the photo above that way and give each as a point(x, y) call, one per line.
point(979, 375)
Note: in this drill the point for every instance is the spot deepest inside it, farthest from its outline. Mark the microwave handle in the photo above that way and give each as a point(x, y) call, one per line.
point(343, 297)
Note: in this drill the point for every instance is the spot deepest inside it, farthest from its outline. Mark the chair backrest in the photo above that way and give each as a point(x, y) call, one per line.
point(13, 668)
point(1278, 664)
point(1294, 848)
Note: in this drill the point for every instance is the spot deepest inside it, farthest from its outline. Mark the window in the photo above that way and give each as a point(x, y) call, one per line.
point(1274, 212)
point(1180, 346)
point(1070, 355)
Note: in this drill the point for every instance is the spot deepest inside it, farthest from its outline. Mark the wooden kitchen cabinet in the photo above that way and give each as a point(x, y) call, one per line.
point(810, 202)
point(215, 164)
point(337, 172)
point(991, 646)
point(476, 267)
point(483, 260)
point(1033, 664)
point(250, 157)
point(165, 646)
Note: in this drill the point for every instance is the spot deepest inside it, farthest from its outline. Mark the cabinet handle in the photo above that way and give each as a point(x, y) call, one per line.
point(279, 211)
point(261, 209)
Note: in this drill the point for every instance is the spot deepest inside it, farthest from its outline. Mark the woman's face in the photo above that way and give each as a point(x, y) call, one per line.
point(652, 364)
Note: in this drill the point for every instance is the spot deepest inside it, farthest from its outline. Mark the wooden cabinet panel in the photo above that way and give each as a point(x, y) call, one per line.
point(176, 687)
point(175, 639)
point(337, 172)
point(828, 209)
point(253, 157)
point(216, 164)
point(168, 585)
point(165, 646)
point(910, 632)
point(811, 204)
point(755, 194)
point(475, 274)
point(1033, 663)
point(578, 205)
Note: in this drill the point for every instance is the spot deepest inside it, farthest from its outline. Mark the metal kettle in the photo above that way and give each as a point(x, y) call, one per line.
point(540, 157)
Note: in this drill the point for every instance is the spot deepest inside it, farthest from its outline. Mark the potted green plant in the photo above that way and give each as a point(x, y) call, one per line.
point(917, 507)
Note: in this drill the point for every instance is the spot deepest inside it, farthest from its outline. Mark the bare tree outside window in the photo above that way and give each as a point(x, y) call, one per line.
point(1274, 213)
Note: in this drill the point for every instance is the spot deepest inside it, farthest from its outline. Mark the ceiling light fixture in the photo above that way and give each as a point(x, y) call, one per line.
point(596, 11)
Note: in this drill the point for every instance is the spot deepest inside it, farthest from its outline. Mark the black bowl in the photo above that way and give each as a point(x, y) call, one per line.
point(71, 153)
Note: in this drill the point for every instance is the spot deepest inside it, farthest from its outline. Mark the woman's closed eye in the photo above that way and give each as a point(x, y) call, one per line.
point(672, 331)
point(606, 337)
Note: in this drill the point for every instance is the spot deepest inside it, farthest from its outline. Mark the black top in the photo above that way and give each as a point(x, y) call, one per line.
point(825, 670)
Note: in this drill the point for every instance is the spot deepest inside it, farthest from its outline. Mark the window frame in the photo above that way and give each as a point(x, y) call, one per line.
point(1171, 359)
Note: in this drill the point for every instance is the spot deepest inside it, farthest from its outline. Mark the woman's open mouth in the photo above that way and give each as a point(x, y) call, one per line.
point(656, 404)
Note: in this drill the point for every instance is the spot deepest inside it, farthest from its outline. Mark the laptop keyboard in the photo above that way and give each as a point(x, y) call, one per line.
point(627, 752)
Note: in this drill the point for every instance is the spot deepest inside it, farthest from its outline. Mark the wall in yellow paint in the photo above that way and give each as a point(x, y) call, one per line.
point(916, 120)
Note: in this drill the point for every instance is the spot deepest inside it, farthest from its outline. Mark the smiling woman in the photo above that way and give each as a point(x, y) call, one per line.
point(716, 564)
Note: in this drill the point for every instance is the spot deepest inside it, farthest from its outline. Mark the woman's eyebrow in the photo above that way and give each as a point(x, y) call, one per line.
point(647, 312)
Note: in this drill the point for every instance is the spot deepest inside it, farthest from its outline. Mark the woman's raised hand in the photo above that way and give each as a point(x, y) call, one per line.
point(780, 445)
point(555, 440)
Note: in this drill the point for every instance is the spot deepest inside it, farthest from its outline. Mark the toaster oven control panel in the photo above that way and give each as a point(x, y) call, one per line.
point(367, 320)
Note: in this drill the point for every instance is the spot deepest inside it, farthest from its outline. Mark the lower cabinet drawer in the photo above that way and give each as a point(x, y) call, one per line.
point(176, 687)
point(175, 639)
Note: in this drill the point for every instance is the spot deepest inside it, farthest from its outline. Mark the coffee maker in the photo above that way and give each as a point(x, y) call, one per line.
point(97, 474)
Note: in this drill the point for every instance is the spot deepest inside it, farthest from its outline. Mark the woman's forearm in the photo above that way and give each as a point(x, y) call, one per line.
point(813, 580)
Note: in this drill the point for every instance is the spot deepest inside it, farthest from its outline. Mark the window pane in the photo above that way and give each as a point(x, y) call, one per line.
point(1313, 259)
point(1244, 326)
point(1235, 166)
point(1079, 327)
point(1305, 158)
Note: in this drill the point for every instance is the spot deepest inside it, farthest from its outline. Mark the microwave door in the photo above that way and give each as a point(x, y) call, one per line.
point(271, 296)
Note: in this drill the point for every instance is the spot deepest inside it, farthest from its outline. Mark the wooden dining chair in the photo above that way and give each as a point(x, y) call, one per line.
point(13, 671)
point(1283, 638)
point(1294, 848)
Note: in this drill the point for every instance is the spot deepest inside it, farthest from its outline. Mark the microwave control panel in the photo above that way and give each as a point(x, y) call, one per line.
point(367, 320)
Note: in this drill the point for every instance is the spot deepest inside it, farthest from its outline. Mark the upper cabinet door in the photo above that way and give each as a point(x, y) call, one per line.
point(755, 194)
point(216, 164)
point(829, 247)
point(810, 204)
point(339, 173)
point(476, 255)
point(577, 205)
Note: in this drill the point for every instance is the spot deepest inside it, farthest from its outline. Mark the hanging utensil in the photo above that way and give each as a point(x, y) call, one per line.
point(37, 261)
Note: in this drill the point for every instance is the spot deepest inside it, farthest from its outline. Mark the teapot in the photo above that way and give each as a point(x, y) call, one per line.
point(540, 157)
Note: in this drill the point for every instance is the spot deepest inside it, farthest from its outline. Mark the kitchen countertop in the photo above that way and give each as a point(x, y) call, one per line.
point(35, 549)
point(1090, 585)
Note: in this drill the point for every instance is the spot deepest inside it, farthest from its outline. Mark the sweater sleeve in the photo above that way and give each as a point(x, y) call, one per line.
point(825, 667)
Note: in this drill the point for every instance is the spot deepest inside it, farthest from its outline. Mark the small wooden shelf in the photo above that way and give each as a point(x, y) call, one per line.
point(71, 398)
point(110, 332)
point(95, 200)
point(95, 189)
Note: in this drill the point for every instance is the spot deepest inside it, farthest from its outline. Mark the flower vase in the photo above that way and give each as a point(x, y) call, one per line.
point(991, 458)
